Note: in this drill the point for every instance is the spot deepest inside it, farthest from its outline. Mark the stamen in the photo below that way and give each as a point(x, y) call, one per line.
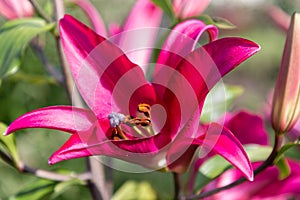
point(144, 108)
point(116, 119)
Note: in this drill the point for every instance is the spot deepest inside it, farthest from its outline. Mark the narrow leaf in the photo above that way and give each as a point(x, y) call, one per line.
point(14, 36)
point(8, 145)
point(219, 22)
point(37, 190)
point(62, 187)
point(284, 168)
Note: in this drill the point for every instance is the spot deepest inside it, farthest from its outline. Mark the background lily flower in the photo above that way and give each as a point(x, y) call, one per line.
point(144, 15)
point(132, 119)
point(189, 8)
point(280, 18)
point(247, 127)
point(266, 184)
point(12, 9)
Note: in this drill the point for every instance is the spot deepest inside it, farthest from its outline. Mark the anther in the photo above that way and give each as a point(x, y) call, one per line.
point(144, 108)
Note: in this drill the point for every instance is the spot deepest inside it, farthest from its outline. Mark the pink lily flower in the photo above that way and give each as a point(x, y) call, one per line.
point(12, 9)
point(153, 124)
point(267, 184)
point(189, 8)
point(144, 15)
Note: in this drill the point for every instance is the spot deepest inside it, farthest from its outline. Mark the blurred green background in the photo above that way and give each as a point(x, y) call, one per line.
point(31, 87)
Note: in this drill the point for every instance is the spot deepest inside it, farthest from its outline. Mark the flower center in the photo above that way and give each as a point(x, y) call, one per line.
point(142, 120)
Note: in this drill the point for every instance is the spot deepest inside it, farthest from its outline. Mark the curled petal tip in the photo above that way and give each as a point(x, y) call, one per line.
point(52, 160)
point(251, 177)
point(7, 132)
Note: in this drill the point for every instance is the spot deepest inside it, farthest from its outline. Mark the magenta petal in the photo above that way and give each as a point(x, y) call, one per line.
point(205, 66)
point(64, 118)
point(139, 32)
point(266, 184)
point(145, 151)
point(247, 127)
point(100, 68)
point(221, 141)
point(93, 15)
point(227, 53)
point(180, 42)
point(12, 9)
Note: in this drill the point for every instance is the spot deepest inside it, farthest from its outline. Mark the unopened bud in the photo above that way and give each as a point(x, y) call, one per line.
point(286, 100)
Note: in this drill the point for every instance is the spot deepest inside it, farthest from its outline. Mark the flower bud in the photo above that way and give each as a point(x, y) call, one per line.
point(286, 100)
point(189, 8)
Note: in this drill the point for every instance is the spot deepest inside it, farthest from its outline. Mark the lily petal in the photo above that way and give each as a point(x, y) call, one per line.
point(64, 118)
point(266, 185)
point(98, 66)
point(16, 9)
point(93, 15)
point(221, 141)
point(180, 42)
point(139, 32)
point(205, 66)
point(136, 150)
point(247, 127)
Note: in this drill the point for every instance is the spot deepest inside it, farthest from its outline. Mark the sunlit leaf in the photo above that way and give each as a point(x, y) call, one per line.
point(37, 190)
point(14, 36)
point(286, 147)
point(219, 22)
point(219, 100)
point(135, 191)
point(223, 23)
point(62, 187)
point(284, 168)
point(8, 146)
point(33, 79)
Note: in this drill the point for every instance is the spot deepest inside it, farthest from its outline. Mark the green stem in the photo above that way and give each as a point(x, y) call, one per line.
point(97, 184)
point(40, 11)
point(177, 186)
point(262, 167)
point(52, 175)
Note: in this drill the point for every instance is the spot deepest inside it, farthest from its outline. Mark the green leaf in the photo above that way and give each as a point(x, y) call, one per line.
point(223, 23)
point(37, 190)
point(219, 100)
point(33, 78)
point(284, 168)
point(61, 187)
point(8, 146)
point(134, 191)
point(286, 147)
point(166, 6)
point(216, 165)
point(14, 37)
point(219, 22)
